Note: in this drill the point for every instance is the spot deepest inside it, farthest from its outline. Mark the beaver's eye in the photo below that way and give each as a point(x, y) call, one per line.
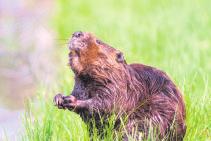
point(99, 42)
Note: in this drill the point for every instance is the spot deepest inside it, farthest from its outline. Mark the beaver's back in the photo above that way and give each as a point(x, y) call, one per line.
point(163, 104)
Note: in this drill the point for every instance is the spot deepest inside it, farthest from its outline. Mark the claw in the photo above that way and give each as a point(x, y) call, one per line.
point(58, 100)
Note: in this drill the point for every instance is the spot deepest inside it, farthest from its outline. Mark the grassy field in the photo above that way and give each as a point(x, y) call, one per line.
point(174, 36)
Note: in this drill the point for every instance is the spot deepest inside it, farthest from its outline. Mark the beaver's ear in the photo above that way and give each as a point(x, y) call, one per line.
point(120, 57)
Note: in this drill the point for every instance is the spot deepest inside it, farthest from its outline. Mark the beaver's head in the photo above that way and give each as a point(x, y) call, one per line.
point(87, 53)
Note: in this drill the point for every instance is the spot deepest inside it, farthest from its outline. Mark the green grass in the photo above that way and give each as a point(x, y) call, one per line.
point(174, 36)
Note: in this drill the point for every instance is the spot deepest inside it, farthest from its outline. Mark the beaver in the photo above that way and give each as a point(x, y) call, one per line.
point(105, 84)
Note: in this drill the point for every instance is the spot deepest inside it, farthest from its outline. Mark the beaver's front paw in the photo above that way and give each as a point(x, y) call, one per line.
point(70, 102)
point(59, 101)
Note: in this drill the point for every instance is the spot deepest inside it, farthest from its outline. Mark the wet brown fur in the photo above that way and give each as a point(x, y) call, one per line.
point(145, 94)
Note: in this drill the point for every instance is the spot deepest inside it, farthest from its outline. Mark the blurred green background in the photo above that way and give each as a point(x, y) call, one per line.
point(173, 35)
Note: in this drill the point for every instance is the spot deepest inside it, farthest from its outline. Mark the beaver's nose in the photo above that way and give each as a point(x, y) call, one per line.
point(77, 34)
